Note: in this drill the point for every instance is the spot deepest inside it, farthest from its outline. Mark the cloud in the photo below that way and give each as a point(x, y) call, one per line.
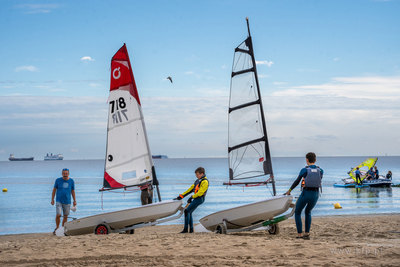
point(339, 117)
point(336, 59)
point(306, 70)
point(370, 87)
point(87, 59)
point(279, 83)
point(37, 8)
point(322, 138)
point(28, 68)
point(265, 62)
point(192, 73)
point(57, 90)
point(192, 58)
point(41, 86)
point(2, 151)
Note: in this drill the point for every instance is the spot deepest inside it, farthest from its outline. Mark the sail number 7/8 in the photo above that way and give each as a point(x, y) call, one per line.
point(118, 106)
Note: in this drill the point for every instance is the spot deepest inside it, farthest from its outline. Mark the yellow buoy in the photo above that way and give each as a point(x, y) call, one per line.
point(337, 206)
point(5, 190)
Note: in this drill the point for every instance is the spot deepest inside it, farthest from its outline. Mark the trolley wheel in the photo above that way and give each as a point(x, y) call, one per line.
point(130, 232)
point(274, 229)
point(221, 229)
point(102, 229)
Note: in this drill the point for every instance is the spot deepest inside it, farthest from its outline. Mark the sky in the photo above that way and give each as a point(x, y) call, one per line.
point(329, 74)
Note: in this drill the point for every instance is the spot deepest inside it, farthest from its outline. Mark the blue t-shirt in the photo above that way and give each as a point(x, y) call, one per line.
point(64, 188)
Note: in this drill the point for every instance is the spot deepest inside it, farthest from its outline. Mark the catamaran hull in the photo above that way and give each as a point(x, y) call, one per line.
point(123, 218)
point(249, 214)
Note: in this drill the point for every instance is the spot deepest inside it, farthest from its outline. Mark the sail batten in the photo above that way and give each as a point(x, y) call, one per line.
point(248, 148)
point(257, 102)
point(242, 71)
point(128, 158)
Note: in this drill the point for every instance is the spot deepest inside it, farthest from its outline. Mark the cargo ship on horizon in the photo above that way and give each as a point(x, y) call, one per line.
point(13, 158)
point(159, 156)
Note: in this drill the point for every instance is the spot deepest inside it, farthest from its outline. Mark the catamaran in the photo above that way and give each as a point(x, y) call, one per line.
point(128, 161)
point(364, 167)
point(248, 151)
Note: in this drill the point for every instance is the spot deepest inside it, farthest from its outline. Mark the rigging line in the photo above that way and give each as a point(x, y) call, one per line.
point(241, 157)
point(253, 173)
point(259, 155)
point(236, 157)
point(246, 185)
point(237, 62)
point(254, 82)
point(236, 164)
point(125, 192)
point(269, 189)
point(244, 63)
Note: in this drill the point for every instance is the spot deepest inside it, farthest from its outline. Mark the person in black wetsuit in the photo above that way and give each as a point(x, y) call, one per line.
point(376, 172)
point(311, 177)
point(358, 178)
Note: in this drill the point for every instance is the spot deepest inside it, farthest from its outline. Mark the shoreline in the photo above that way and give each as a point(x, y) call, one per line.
point(367, 240)
point(291, 218)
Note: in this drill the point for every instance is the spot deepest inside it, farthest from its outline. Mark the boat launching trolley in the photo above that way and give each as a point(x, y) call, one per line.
point(251, 216)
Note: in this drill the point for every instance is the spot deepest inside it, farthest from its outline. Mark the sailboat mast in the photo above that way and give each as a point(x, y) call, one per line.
point(248, 26)
point(269, 163)
point(150, 158)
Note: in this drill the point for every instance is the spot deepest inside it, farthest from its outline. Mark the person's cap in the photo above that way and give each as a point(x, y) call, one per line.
point(73, 208)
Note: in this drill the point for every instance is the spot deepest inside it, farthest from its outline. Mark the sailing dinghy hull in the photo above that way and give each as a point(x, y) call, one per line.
point(249, 214)
point(123, 218)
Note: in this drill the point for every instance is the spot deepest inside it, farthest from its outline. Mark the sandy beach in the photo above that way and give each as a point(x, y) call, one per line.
point(335, 241)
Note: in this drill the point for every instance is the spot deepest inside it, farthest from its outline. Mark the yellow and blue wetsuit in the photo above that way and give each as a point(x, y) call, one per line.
point(200, 188)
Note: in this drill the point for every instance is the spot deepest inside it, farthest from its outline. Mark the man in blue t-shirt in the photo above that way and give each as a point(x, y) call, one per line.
point(64, 187)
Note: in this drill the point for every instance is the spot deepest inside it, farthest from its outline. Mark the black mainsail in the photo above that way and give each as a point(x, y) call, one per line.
point(248, 149)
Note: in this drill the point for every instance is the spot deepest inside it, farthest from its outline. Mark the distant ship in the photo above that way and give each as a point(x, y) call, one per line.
point(12, 158)
point(159, 156)
point(53, 157)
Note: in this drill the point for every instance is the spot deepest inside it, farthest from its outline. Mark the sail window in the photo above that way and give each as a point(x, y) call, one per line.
point(128, 175)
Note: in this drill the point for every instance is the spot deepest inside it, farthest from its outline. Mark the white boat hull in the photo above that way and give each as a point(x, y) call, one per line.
point(123, 218)
point(249, 214)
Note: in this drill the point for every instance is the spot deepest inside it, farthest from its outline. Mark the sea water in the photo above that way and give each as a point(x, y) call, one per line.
point(26, 207)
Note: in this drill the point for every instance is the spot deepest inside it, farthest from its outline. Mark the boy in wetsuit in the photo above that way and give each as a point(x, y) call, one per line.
point(199, 188)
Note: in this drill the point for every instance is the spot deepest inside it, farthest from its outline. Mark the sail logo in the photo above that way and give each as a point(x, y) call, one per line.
point(118, 75)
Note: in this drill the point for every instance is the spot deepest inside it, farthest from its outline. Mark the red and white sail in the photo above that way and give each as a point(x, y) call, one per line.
point(128, 157)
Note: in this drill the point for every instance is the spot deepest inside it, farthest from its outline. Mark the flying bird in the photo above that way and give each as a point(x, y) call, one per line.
point(169, 78)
